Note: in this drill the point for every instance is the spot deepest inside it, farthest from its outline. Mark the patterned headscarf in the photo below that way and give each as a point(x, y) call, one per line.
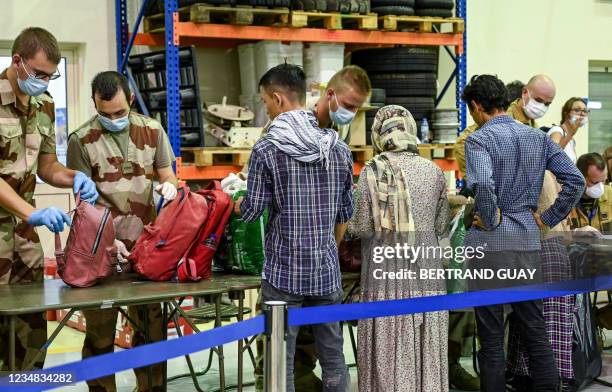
point(394, 129)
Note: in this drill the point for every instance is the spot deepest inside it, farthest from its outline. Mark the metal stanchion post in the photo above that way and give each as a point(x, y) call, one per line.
point(275, 372)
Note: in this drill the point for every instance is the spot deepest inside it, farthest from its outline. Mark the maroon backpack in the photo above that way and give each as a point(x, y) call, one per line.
point(90, 254)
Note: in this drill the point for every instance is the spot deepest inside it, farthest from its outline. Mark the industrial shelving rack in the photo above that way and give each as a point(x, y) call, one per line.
point(188, 33)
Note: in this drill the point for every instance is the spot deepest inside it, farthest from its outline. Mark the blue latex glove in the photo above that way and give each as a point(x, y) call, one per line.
point(52, 217)
point(86, 186)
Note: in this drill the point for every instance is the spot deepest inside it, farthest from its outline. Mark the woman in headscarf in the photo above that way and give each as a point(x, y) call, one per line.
point(400, 197)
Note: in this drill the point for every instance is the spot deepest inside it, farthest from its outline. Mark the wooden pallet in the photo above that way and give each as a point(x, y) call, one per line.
point(209, 156)
point(362, 153)
point(239, 15)
point(422, 24)
point(436, 151)
point(333, 21)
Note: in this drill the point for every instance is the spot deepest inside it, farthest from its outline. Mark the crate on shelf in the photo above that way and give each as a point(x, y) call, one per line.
point(216, 156)
point(242, 15)
point(437, 151)
point(333, 21)
point(206, 13)
point(149, 70)
point(421, 24)
point(362, 153)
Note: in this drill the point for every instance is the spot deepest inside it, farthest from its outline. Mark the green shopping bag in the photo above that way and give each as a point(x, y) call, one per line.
point(245, 242)
point(457, 237)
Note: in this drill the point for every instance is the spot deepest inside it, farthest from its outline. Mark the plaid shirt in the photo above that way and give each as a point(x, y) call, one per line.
point(506, 161)
point(304, 202)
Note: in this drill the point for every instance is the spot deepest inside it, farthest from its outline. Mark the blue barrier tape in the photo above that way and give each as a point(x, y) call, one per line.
point(107, 364)
point(362, 310)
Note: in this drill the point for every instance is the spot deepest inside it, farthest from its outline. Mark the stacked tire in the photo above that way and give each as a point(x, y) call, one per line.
point(440, 8)
point(445, 125)
point(393, 7)
point(407, 74)
point(343, 6)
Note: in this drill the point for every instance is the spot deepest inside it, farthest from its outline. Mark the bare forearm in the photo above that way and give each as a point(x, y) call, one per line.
point(166, 174)
point(339, 232)
point(13, 203)
point(57, 175)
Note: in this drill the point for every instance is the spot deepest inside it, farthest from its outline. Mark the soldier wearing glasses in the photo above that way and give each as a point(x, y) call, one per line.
point(27, 149)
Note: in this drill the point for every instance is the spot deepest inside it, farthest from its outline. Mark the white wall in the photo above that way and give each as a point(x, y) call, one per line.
point(519, 38)
point(85, 26)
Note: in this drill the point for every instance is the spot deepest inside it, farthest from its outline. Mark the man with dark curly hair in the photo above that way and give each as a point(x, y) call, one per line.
point(506, 161)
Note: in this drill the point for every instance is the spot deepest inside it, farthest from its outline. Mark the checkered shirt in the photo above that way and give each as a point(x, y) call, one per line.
point(304, 201)
point(505, 163)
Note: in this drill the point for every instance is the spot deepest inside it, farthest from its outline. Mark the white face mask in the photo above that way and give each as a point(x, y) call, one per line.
point(596, 191)
point(579, 121)
point(534, 109)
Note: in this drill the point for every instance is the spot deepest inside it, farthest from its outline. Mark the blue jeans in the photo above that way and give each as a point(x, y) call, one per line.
point(329, 342)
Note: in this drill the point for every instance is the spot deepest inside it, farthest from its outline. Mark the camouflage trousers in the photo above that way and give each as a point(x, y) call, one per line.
point(100, 338)
point(21, 261)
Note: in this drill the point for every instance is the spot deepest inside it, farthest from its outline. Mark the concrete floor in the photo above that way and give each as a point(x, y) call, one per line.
point(67, 348)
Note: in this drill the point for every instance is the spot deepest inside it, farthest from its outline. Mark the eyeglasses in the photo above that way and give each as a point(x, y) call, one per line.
point(584, 112)
point(41, 75)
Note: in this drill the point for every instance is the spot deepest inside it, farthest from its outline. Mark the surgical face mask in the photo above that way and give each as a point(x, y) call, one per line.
point(579, 121)
point(534, 109)
point(341, 116)
point(596, 191)
point(116, 125)
point(31, 86)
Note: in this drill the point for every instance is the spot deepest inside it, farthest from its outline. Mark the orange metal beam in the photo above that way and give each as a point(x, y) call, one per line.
point(206, 34)
point(192, 172)
point(447, 164)
point(225, 31)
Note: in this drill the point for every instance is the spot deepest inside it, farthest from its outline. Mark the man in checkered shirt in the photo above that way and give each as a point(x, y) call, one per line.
point(303, 175)
point(506, 161)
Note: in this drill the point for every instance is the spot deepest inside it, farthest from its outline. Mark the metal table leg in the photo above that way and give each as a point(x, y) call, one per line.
point(220, 348)
point(164, 338)
point(12, 366)
point(50, 340)
point(240, 341)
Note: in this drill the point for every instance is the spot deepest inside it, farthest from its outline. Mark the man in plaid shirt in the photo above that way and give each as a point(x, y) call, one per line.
point(303, 175)
point(506, 161)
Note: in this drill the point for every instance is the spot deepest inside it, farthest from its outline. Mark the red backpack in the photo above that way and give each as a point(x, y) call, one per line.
point(197, 263)
point(164, 243)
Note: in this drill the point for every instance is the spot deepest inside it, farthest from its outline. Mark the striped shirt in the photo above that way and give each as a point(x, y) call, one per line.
point(304, 201)
point(506, 161)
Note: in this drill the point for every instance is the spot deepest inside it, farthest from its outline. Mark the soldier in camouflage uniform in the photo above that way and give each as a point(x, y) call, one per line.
point(123, 151)
point(27, 148)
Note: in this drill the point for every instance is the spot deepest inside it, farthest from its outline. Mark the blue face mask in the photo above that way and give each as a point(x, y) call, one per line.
point(342, 116)
point(116, 125)
point(32, 86)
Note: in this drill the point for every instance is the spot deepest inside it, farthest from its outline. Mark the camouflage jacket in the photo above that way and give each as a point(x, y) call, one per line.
point(124, 178)
point(25, 132)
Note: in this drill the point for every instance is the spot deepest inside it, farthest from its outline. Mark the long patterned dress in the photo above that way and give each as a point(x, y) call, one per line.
point(404, 353)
